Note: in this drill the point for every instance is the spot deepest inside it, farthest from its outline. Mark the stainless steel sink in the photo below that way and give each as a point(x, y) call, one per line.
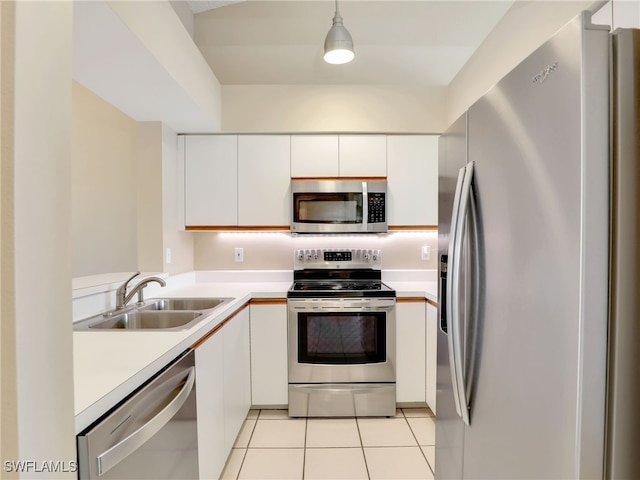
point(147, 320)
point(156, 314)
point(184, 303)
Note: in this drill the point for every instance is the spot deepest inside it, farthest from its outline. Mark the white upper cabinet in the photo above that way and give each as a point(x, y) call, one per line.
point(314, 156)
point(264, 172)
point(412, 180)
point(363, 155)
point(338, 156)
point(211, 180)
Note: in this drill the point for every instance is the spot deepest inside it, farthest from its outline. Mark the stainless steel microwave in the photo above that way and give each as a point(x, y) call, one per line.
point(339, 206)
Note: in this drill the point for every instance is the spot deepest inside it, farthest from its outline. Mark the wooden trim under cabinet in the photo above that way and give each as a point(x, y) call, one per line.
point(416, 300)
point(268, 301)
point(213, 331)
point(412, 227)
point(237, 228)
point(339, 178)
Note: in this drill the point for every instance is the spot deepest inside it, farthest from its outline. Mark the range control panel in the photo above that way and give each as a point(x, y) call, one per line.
point(337, 258)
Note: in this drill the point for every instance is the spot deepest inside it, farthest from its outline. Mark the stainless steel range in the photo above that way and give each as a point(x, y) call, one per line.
point(342, 337)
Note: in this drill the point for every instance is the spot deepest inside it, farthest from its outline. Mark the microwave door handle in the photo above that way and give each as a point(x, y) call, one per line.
point(365, 206)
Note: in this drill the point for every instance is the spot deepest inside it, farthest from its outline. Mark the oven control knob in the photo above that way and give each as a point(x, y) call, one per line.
point(300, 256)
point(308, 257)
point(315, 256)
point(375, 257)
point(366, 257)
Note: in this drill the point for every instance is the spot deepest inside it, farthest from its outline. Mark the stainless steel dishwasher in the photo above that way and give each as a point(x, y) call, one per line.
point(151, 435)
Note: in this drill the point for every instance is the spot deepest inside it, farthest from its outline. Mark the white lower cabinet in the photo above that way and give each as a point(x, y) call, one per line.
point(269, 378)
point(237, 376)
point(223, 392)
point(432, 358)
point(210, 404)
point(410, 351)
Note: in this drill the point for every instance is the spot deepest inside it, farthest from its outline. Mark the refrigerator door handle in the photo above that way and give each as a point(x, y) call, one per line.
point(451, 299)
point(457, 330)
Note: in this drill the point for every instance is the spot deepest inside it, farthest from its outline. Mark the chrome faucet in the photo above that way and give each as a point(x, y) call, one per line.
point(122, 297)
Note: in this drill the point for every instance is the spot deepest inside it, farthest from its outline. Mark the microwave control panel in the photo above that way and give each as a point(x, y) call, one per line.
point(377, 208)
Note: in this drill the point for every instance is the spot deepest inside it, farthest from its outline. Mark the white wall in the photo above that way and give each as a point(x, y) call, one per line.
point(174, 237)
point(333, 108)
point(157, 202)
point(37, 395)
point(103, 187)
point(274, 251)
point(526, 26)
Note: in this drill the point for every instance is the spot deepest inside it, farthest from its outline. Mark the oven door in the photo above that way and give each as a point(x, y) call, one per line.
point(342, 340)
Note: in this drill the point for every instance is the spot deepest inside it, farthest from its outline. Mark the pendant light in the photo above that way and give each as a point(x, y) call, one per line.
point(338, 46)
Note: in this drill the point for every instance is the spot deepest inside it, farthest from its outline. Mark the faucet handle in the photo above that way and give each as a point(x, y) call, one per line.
point(130, 278)
point(121, 293)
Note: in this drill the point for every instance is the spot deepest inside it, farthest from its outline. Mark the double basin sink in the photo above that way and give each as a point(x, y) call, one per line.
point(155, 314)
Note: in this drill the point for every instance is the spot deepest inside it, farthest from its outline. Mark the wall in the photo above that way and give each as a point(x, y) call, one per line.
point(333, 108)
point(37, 414)
point(174, 238)
point(158, 190)
point(103, 186)
point(274, 251)
point(526, 25)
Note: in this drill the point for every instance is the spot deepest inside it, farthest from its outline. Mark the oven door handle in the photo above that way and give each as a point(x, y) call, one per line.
point(342, 305)
point(332, 389)
point(354, 309)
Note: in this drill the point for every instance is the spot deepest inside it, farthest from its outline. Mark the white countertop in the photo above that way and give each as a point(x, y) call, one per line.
point(109, 365)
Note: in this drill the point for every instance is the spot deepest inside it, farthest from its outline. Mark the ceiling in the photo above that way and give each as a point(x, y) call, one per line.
point(265, 42)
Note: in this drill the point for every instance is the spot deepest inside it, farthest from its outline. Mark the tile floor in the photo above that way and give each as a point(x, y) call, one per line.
point(273, 446)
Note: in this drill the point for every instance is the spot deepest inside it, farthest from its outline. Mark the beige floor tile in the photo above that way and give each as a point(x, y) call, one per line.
point(245, 434)
point(385, 432)
point(424, 428)
point(234, 462)
point(397, 463)
point(430, 453)
point(272, 463)
point(332, 432)
point(253, 414)
point(278, 434)
point(334, 463)
point(274, 414)
point(417, 412)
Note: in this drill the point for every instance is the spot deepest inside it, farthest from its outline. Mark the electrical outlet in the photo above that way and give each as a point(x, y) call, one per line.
point(239, 254)
point(426, 252)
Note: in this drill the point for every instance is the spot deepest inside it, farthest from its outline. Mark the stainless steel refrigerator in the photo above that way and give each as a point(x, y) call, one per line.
point(531, 211)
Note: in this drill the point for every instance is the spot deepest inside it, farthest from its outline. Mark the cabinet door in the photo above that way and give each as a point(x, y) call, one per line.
point(432, 360)
point(264, 173)
point(269, 378)
point(237, 376)
point(210, 405)
point(412, 180)
point(410, 351)
point(211, 180)
point(363, 155)
point(314, 156)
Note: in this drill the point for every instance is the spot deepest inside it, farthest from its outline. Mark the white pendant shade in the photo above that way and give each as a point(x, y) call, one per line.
point(338, 46)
